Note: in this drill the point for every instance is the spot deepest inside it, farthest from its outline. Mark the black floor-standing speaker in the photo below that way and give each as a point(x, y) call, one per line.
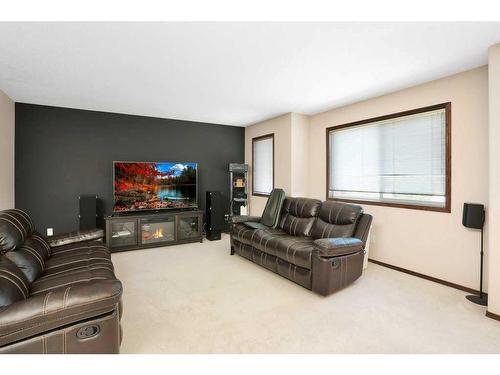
point(87, 211)
point(473, 217)
point(214, 215)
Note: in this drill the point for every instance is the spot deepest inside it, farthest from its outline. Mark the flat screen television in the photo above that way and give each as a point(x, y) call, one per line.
point(140, 186)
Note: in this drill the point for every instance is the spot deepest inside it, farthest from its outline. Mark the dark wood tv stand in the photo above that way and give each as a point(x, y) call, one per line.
point(145, 230)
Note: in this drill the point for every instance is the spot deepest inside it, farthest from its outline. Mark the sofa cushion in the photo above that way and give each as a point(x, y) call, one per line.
point(30, 256)
point(40, 243)
point(15, 227)
point(298, 226)
point(301, 207)
point(77, 257)
point(73, 264)
point(242, 233)
point(87, 248)
point(13, 284)
point(58, 266)
point(29, 261)
point(75, 277)
point(295, 250)
point(298, 215)
point(266, 239)
point(336, 219)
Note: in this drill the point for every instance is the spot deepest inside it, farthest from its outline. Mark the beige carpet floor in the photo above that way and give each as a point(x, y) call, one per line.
point(196, 298)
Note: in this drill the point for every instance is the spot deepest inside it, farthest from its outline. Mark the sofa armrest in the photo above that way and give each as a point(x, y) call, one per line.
point(242, 219)
point(74, 237)
point(58, 307)
point(333, 247)
point(363, 227)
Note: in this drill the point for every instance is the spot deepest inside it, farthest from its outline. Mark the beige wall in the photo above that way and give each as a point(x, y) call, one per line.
point(432, 243)
point(291, 155)
point(494, 186)
point(281, 127)
point(300, 155)
point(7, 127)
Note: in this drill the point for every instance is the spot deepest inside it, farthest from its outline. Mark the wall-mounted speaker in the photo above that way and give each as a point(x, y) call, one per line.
point(473, 215)
point(214, 215)
point(87, 211)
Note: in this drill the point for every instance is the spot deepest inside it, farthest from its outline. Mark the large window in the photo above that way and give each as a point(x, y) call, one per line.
point(263, 165)
point(400, 160)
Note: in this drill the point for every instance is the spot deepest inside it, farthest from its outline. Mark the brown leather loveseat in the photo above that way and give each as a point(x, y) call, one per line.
point(319, 245)
point(59, 298)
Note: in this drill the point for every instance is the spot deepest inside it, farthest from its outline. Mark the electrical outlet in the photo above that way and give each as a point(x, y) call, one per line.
point(50, 232)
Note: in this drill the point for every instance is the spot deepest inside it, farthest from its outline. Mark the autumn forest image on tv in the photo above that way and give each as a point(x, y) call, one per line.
point(151, 186)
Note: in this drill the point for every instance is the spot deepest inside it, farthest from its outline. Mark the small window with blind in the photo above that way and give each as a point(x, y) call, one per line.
point(263, 165)
point(400, 160)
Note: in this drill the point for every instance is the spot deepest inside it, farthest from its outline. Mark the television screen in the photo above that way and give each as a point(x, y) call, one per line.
point(154, 186)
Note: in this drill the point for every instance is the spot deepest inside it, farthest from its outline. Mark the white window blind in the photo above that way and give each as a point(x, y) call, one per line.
point(400, 160)
point(263, 165)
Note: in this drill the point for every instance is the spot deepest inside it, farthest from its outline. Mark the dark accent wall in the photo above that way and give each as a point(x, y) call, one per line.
point(62, 153)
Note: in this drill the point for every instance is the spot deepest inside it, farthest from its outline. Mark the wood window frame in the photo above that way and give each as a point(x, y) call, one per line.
point(256, 139)
point(447, 207)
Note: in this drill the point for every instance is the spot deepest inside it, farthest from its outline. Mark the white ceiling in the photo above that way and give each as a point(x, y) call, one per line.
point(229, 73)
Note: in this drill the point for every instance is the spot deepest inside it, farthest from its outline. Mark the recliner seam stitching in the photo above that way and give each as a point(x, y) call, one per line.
point(68, 283)
point(17, 286)
point(56, 311)
point(25, 235)
point(45, 322)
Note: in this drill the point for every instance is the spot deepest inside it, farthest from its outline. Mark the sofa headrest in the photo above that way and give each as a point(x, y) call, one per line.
point(271, 214)
point(339, 213)
point(15, 227)
point(301, 207)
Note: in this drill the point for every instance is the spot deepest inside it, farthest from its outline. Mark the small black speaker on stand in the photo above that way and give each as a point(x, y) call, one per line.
point(214, 215)
point(473, 217)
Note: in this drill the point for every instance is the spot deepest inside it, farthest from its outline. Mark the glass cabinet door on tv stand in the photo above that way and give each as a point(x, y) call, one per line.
point(189, 226)
point(122, 232)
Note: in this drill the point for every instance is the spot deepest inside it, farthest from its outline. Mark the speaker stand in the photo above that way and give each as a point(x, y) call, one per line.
point(478, 300)
point(482, 298)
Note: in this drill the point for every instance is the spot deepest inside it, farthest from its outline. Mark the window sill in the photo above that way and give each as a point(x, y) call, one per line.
point(446, 209)
point(261, 194)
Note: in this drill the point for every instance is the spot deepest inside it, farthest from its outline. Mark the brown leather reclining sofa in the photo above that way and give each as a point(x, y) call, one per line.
point(55, 297)
point(319, 245)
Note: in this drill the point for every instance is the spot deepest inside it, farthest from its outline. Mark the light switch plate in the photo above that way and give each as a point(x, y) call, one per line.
point(50, 231)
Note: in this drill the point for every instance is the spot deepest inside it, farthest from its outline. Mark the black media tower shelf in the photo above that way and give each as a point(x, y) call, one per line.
point(238, 180)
